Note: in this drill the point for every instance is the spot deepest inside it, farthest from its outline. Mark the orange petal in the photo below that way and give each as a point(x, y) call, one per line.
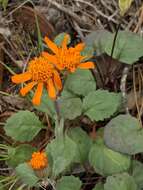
point(60, 66)
point(86, 65)
point(51, 89)
point(19, 78)
point(49, 57)
point(79, 47)
point(37, 96)
point(65, 41)
point(51, 45)
point(27, 88)
point(57, 80)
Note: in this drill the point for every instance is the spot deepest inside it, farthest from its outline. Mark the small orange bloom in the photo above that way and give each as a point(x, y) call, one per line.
point(39, 160)
point(67, 58)
point(40, 72)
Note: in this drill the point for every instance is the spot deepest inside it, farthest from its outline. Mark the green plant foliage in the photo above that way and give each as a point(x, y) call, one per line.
point(26, 174)
point(124, 5)
point(101, 104)
point(83, 143)
point(106, 161)
point(47, 105)
point(23, 126)
point(39, 35)
point(124, 134)
point(88, 51)
point(120, 182)
point(4, 3)
point(1, 187)
point(137, 173)
point(59, 39)
point(99, 186)
point(63, 151)
point(19, 154)
point(80, 83)
point(68, 183)
point(21, 187)
point(70, 106)
point(97, 40)
point(128, 47)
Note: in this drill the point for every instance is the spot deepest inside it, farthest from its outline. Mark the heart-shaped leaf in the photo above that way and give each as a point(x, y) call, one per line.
point(68, 183)
point(120, 182)
point(26, 174)
point(106, 161)
point(23, 126)
point(70, 106)
point(80, 83)
point(19, 154)
point(128, 47)
point(124, 134)
point(99, 186)
point(97, 40)
point(101, 104)
point(137, 173)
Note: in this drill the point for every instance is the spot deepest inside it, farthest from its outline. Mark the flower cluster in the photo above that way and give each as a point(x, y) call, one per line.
point(39, 160)
point(45, 69)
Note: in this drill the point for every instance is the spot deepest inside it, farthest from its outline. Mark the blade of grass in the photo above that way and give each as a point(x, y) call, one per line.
point(8, 68)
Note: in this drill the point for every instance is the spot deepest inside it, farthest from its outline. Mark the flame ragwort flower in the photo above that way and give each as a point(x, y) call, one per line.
point(42, 70)
point(39, 160)
point(67, 58)
point(39, 72)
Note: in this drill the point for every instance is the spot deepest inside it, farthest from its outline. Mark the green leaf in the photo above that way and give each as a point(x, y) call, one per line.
point(69, 105)
point(47, 105)
point(80, 83)
point(124, 134)
point(106, 161)
point(20, 154)
point(63, 152)
point(99, 186)
point(39, 35)
point(137, 173)
point(124, 5)
point(4, 4)
point(128, 47)
point(83, 143)
point(26, 174)
point(1, 186)
point(88, 51)
point(68, 183)
point(23, 126)
point(101, 104)
point(59, 39)
point(120, 182)
point(97, 40)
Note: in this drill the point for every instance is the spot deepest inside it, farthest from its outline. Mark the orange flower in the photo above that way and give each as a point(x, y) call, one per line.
point(67, 58)
point(39, 160)
point(41, 73)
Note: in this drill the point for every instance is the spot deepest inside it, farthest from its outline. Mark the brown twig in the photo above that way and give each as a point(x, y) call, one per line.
point(67, 11)
point(123, 87)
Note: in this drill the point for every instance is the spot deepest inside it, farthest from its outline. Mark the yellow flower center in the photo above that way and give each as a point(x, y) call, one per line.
point(69, 58)
point(40, 70)
point(39, 160)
